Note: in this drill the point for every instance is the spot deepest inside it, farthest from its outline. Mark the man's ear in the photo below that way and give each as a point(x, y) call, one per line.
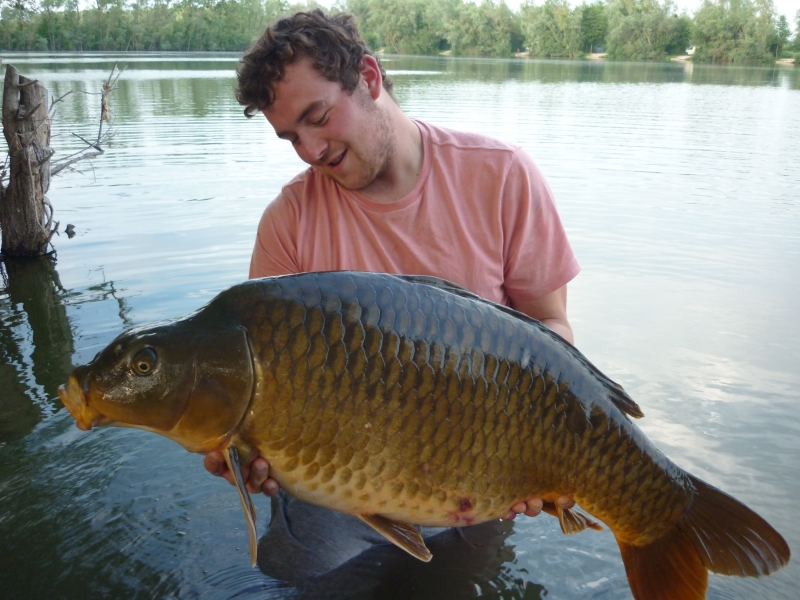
point(371, 75)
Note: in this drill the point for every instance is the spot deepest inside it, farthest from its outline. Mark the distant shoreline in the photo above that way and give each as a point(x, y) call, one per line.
point(593, 56)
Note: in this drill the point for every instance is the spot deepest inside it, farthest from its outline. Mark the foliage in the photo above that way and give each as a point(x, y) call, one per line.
point(403, 26)
point(644, 29)
point(594, 26)
point(137, 24)
point(721, 30)
point(782, 34)
point(552, 29)
point(797, 30)
point(738, 31)
point(485, 29)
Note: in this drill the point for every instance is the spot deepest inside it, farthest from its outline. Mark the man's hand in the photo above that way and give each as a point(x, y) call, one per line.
point(533, 507)
point(255, 472)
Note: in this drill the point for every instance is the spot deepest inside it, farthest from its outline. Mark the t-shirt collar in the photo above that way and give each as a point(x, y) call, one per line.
point(414, 195)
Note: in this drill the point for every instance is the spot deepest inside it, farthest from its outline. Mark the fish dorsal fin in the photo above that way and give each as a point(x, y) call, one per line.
point(618, 396)
point(231, 455)
point(572, 520)
point(439, 283)
point(400, 534)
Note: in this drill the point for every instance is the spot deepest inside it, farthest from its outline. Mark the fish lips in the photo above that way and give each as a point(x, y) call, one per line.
point(73, 397)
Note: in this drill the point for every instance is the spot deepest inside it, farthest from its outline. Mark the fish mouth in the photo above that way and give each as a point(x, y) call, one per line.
point(73, 398)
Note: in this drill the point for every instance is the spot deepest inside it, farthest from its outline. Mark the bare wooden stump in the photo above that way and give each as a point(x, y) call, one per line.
point(26, 216)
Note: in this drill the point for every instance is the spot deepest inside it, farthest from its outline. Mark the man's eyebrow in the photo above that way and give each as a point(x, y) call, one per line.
point(309, 109)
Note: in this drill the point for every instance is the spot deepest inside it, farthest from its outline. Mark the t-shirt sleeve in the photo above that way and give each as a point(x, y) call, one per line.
point(537, 255)
point(275, 250)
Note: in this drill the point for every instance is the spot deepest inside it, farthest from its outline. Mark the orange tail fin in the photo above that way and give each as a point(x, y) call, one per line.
point(716, 533)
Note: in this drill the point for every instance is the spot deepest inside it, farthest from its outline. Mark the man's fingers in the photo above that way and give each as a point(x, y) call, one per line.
point(215, 463)
point(271, 487)
point(519, 508)
point(565, 502)
point(255, 472)
point(259, 471)
point(533, 507)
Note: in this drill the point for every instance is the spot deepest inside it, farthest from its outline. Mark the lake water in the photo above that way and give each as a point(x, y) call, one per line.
point(679, 186)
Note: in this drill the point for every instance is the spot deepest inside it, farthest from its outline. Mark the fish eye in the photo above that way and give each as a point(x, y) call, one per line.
point(144, 361)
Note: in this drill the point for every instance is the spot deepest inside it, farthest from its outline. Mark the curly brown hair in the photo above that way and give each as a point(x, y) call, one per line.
point(332, 42)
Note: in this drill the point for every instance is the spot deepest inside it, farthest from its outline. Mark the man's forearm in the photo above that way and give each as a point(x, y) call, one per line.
point(550, 310)
point(561, 328)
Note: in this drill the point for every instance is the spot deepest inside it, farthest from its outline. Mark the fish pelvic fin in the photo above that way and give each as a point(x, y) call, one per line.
point(571, 519)
point(401, 534)
point(231, 455)
point(716, 533)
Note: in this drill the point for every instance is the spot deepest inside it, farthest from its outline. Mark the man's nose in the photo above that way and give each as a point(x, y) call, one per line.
point(313, 148)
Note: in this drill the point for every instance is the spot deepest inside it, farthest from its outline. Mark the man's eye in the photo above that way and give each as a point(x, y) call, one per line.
point(322, 120)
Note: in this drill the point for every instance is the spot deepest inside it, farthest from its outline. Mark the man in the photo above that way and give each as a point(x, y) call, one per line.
point(389, 194)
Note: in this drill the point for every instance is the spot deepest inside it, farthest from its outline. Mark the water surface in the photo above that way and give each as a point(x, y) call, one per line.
point(679, 187)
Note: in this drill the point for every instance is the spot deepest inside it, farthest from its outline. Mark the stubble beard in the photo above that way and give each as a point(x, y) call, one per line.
point(379, 157)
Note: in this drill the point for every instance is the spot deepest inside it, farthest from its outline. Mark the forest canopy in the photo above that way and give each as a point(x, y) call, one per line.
point(736, 31)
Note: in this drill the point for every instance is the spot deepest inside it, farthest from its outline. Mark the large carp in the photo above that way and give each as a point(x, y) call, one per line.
point(410, 401)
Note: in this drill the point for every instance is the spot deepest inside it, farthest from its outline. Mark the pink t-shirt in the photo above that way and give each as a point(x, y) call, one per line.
point(481, 215)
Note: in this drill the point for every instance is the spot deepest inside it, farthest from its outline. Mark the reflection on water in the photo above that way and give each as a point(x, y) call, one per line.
point(35, 343)
point(678, 185)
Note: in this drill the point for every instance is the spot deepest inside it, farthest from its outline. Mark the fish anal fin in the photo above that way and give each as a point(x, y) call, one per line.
point(667, 569)
point(231, 455)
point(571, 519)
point(401, 534)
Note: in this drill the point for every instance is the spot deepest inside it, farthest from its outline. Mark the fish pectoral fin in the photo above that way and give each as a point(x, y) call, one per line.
point(231, 455)
point(571, 519)
point(400, 534)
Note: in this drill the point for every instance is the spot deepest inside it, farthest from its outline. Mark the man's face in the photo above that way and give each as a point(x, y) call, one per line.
point(342, 135)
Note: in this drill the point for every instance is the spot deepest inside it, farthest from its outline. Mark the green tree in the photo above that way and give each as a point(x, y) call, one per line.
point(594, 26)
point(797, 30)
point(682, 35)
point(485, 29)
point(642, 29)
point(19, 21)
point(734, 31)
point(782, 34)
point(552, 29)
point(404, 26)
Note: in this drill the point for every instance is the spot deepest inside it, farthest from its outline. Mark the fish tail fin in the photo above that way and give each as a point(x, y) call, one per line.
point(716, 533)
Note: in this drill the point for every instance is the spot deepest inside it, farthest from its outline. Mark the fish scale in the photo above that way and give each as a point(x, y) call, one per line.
point(367, 335)
point(409, 400)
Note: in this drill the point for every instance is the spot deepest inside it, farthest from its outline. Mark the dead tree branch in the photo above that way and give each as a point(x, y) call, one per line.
point(26, 215)
point(92, 149)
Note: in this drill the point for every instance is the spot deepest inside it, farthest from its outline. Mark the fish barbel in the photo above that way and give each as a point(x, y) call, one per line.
point(407, 400)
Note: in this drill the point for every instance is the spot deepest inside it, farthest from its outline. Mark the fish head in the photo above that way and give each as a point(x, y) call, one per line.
point(189, 379)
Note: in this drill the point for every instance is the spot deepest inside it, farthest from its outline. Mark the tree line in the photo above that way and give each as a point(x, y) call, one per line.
point(737, 31)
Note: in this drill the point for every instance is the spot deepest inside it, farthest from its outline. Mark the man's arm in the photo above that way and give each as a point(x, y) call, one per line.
point(550, 309)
